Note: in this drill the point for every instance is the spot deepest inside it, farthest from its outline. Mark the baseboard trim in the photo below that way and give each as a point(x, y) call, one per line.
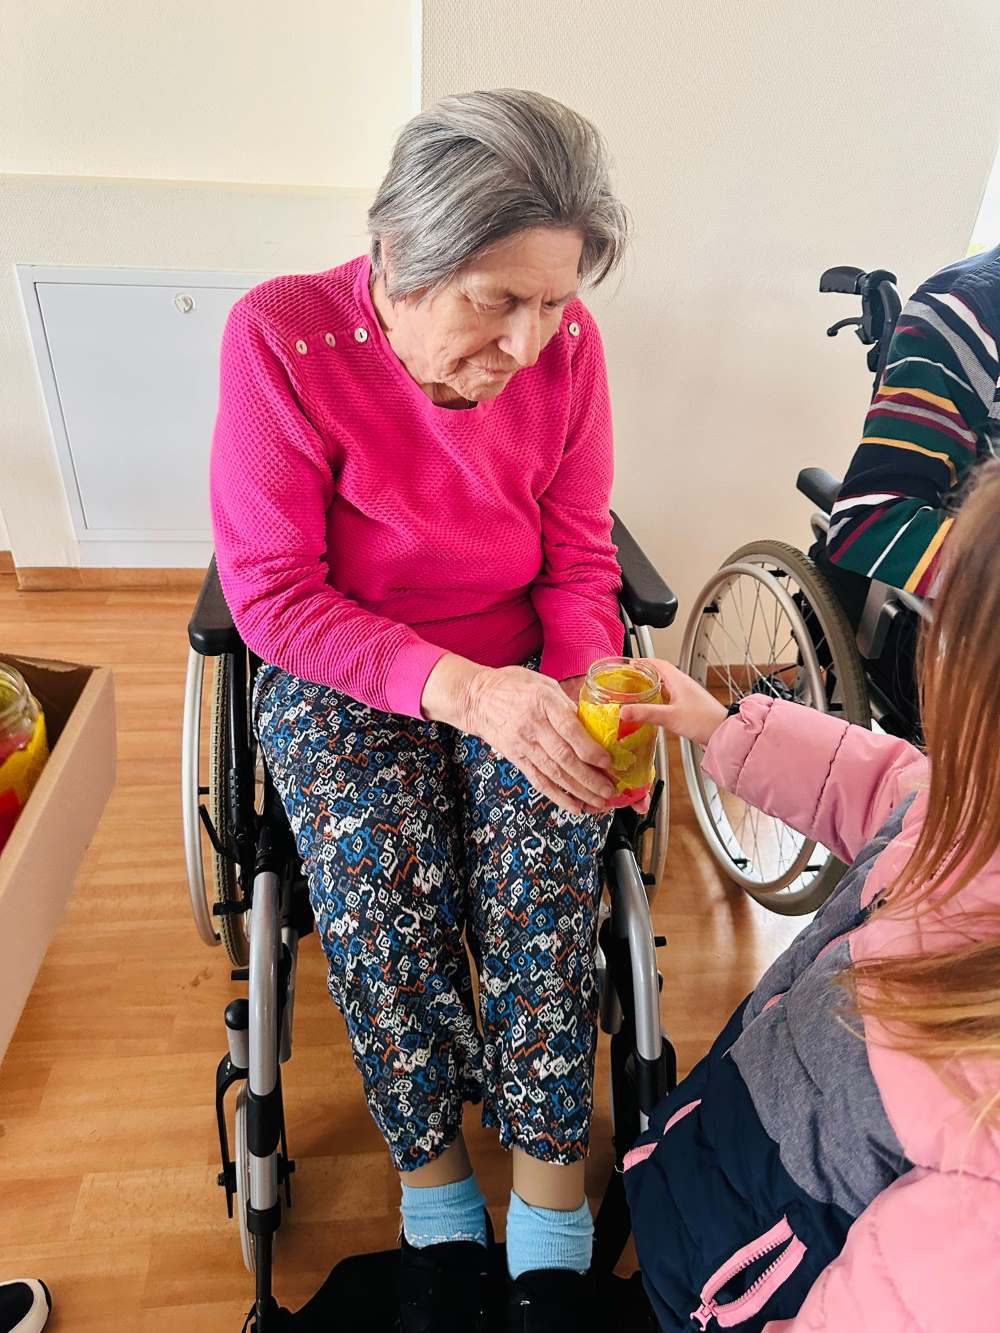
point(56, 578)
point(7, 562)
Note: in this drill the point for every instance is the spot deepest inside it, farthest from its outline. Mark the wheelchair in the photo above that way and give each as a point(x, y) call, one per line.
point(252, 899)
point(772, 620)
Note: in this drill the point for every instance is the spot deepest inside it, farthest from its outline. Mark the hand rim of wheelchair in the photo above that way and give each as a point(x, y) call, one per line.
point(749, 562)
point(233, 928)
point(241, 1153)
point(191, 799)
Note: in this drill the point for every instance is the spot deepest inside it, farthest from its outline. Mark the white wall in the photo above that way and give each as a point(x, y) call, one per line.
point(217, 90)
point(125, 127)
point(756, 144)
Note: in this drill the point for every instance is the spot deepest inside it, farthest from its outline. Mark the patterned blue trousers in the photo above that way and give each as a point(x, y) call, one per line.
point(414, 835)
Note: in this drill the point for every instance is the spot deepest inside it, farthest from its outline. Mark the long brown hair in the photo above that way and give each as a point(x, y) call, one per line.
point(947, 1004)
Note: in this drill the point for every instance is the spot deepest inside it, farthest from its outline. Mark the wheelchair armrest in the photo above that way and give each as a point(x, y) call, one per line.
point(645, 598)
point(820, 486)
point(211, 631)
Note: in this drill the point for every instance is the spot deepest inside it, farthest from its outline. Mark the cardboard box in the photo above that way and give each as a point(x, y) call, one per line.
point(39, 863)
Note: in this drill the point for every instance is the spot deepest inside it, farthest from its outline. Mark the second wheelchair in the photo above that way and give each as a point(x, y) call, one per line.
point(770, 621)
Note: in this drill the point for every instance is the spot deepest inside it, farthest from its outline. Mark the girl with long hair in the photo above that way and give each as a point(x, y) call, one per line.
point(834, 1162)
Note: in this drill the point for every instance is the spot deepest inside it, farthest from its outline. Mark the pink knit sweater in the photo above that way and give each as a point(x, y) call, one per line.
point(361, 532)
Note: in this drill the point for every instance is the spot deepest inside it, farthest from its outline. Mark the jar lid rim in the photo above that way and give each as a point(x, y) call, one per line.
point(19, 700)
point(638, 665)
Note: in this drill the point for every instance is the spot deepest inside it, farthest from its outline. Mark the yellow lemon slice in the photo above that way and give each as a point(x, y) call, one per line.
point(601, 720)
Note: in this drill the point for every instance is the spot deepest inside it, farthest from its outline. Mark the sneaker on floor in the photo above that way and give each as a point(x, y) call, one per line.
point(551, 1300)
point(444, 1288)
point(25, 1306)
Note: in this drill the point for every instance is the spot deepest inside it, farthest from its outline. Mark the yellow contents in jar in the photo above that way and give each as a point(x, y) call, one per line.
point(631, 745)
point(23, 748)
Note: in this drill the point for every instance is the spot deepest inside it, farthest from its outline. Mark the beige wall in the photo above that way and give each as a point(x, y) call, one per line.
point(111, 110)
point(756, 144)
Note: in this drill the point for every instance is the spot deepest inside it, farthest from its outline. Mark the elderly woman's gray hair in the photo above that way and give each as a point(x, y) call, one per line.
point(476, 168)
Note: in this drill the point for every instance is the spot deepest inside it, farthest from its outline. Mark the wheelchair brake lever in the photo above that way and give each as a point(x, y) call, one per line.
point(230, 908)
point(854, 321)
point(229, 853)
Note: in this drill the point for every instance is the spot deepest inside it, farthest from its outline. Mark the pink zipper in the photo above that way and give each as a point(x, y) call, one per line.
point(637, 1155)
point(730, 1313)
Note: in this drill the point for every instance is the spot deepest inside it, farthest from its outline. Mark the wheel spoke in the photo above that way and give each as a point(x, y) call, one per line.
point(739, 614)
point(734, 693)
point(736, 645)
point(753, 616)
point(756, 845)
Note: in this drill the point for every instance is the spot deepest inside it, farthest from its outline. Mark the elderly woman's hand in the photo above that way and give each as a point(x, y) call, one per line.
point(529, 719)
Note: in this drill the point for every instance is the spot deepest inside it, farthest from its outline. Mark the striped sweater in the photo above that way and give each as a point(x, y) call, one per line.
point(935, 415)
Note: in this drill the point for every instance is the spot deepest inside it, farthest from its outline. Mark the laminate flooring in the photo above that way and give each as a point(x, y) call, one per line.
point(108, 1152)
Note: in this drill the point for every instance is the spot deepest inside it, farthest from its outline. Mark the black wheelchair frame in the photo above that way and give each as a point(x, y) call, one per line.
point(271, 887)
point(880, 311)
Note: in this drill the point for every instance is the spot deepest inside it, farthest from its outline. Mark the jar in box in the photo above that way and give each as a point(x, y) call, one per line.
point(611, 683)
point(23, 746)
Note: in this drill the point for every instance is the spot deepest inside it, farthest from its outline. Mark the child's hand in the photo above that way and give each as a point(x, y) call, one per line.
point(690, 711)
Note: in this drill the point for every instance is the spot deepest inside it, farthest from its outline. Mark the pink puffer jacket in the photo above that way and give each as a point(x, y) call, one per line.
point(924, 1256)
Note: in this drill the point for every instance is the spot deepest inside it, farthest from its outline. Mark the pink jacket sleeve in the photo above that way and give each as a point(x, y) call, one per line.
point(272, 485)
point(829, 780)
point(576, 592)
point(921, 1258)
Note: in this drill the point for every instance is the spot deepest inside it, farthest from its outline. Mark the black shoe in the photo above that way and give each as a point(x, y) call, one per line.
point(444, 1288)
point(551, 1300)
point(24, 1306)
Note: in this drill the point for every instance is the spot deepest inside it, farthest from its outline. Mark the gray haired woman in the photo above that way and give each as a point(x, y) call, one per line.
point(410, 480)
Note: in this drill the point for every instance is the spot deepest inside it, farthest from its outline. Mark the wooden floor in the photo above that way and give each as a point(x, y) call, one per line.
point(107, 1137)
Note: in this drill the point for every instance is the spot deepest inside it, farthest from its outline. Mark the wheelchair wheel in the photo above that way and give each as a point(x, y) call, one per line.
point(768, 623)
point(225, 877)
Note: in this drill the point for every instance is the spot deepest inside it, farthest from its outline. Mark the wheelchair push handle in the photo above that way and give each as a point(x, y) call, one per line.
point(842, 279)
point(819, 486)
point(880, 307)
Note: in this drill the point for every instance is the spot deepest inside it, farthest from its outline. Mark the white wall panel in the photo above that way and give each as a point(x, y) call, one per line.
point(133, 366)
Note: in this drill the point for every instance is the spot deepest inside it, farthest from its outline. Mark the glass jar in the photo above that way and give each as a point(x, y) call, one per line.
point(611, 683)
point(23, 746)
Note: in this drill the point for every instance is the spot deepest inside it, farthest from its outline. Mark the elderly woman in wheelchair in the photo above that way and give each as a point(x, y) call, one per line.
point(410, 485)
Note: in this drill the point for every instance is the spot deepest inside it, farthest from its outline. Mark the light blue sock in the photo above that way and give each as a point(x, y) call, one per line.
point(548, 1238)
point(442, 1213)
